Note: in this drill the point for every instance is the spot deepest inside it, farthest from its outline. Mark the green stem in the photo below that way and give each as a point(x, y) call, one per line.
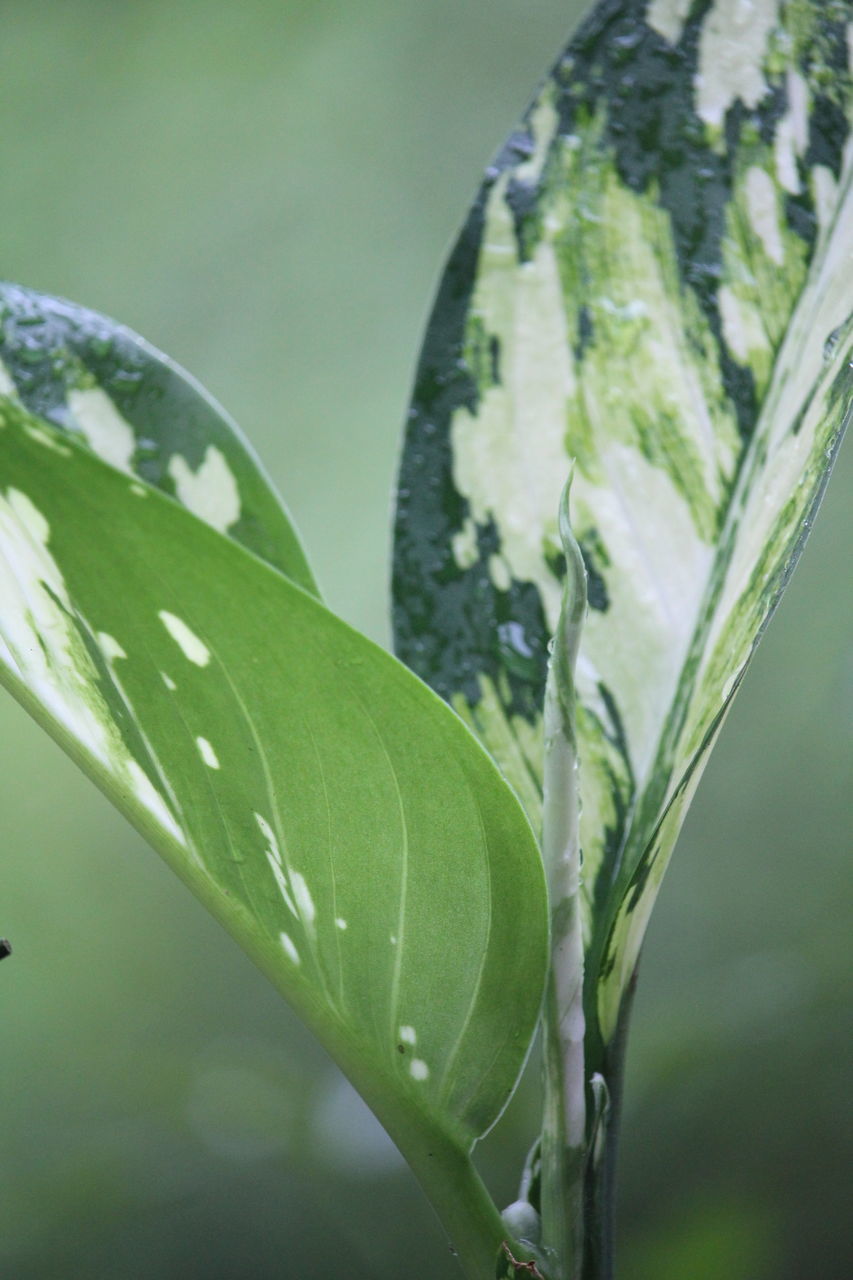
point(464, 1206)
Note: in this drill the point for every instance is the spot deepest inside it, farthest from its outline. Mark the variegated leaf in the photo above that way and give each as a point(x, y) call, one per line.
point(136, 409)
point(654, 281)
point(322, 802)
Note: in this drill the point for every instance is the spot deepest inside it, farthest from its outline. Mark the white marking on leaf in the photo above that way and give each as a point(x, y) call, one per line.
point(464, 544)
point(732, 47)
point(655, 596)
point(207, 753)
point(281, 881)
point(544, 122)
point(825, 195)
point(186, 640)
point(499, 573)
point(525, 307)
point(588, 679)
point(290, 947)
point(407, 1035)
point(138, 490)
point(210, 493)
point(44, 648)
point(110, 647)
point(743, 329)
point(761, 205)
point(150, 797)
point(341, 922)
point(32, 520)
point(269, 835)
point(792, 133)
point(274, 858)
point(168, 682)
point(108, 434)
point(634, 309)
point(418, 1069)
point(667, 17)
point(36, 432)
point(7, 383)
point(302, 898)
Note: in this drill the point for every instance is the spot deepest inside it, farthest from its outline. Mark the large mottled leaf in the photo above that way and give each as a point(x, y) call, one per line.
point(135, 408)
point(328, 808)
point(654, 281)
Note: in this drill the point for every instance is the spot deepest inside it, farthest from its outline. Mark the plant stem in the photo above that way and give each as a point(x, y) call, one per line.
point(600, 1181)
point(564, 1120)
point(467, 1211)
point(562, 1197)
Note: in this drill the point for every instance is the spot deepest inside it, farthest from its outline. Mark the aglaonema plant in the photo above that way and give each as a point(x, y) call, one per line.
point(648, 299)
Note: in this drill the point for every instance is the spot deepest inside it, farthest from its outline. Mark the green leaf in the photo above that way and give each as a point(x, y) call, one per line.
point(135, 408)
point(652, 282)
point(325, 805)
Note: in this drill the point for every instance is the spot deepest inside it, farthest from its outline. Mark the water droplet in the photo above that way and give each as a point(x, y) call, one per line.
point(829, 347)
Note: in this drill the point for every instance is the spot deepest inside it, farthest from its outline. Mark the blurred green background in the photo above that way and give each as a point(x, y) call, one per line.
point(266, 191)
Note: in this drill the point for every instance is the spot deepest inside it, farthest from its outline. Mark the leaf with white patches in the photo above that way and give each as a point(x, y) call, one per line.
point(654, 283)
point(138, 411)
point(325, 805)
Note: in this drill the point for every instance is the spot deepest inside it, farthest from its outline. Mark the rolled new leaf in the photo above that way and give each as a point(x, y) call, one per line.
point(653, 282)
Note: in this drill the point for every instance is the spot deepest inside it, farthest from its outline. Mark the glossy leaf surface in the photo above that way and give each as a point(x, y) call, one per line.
point(324, 804)
point(654, 283)
point(140, 412)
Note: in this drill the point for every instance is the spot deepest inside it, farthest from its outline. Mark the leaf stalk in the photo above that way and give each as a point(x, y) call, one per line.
point(565, 1112)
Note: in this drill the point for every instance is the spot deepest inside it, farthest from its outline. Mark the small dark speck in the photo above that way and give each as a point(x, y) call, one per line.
point(5, 948)
point(401, 1048)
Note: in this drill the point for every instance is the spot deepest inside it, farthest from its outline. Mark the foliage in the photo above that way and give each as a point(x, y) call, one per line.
point(651, 283)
